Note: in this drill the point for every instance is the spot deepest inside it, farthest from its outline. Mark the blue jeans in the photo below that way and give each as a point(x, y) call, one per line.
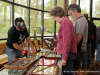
point(69, 67)
point(13, 54)
point(87, 57)
point(98, 53)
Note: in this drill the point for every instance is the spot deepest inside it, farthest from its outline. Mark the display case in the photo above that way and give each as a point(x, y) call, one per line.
point(35, 56)
point(53, 55)
point(45, 70)
point(42, 54)
point(12, 71)
point(43, 61)
point(21, 63)
point(49, 43)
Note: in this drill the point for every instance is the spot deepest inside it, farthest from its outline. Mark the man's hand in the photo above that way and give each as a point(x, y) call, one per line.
point(55, 50)
point(34, 51)
point(29, 53)
point(64, 63)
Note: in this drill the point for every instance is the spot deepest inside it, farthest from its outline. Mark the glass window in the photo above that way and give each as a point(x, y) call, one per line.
point(35, 4)
point(60, 3)
point(3, 41)
point(73, 1)
point(48, 5)
point(20, 12)
point(5, 9)
point(85, 6)
point(96, 8)
point(97, 23)
point(48, 24)
point(22, 2)
point(35, 23)
point(57, 27)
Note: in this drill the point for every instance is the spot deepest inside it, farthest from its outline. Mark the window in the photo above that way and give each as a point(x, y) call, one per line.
point(48, 5)
point(85, 6)
point(48, 25)
point(35, 23)
point(57, 27)
point(4, 19)
point(73, 1)
point(97, 23)
point(22, 2)
point(96, 8)
point(35, 4)
point(60, 3)
point(20, 12)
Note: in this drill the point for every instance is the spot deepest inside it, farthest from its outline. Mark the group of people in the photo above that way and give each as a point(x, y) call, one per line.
point(73, 41)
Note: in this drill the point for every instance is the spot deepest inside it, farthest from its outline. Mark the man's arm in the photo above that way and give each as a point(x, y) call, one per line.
point(78, 38)
point(16, 46)
point(30, 43)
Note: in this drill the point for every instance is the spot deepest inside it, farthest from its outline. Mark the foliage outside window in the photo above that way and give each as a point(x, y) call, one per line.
point(20, 12)
point(73, 1)
point(97, 23)
point(22, 2)
point(85, 6)
point(4, 19)
point(48, 25)
point(57, 27)
point(35, 23)
point(48, 5)
point(96, 8)
point(60, 3)
point(35, 4)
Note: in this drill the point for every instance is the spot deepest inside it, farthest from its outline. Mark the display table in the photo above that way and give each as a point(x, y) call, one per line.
point(58, 63)
point(30, 69)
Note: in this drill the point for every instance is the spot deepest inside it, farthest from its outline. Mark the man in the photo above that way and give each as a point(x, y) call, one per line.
point(16, 36)
point(66, 40)
point(98, 45)
point(87, 57)
point(81, 30)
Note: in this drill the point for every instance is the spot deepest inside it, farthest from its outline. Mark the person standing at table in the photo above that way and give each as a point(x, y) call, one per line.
point(81, 30)
point(66, 40)
point(16, 36)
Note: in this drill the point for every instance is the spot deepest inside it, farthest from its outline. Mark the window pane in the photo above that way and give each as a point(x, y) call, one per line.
point(97, 23)
point(20, 12)
point(48, 24)
point(4, 19)
point(35, 23)
point(48, 5)
point(3, 41)
point(22, 2)
point(35, 4)
point(57, 27)
point(85, 6)
point(96, 8)
point(60, 3)
point(73, 1)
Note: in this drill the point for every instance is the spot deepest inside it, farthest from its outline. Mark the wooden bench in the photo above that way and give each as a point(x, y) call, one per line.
point(3, 56)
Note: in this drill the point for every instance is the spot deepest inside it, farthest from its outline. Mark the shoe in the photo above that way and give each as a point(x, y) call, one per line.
point(98, 63)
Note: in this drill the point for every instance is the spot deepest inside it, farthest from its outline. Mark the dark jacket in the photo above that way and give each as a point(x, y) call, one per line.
point(91, 30)
point(98, 35)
